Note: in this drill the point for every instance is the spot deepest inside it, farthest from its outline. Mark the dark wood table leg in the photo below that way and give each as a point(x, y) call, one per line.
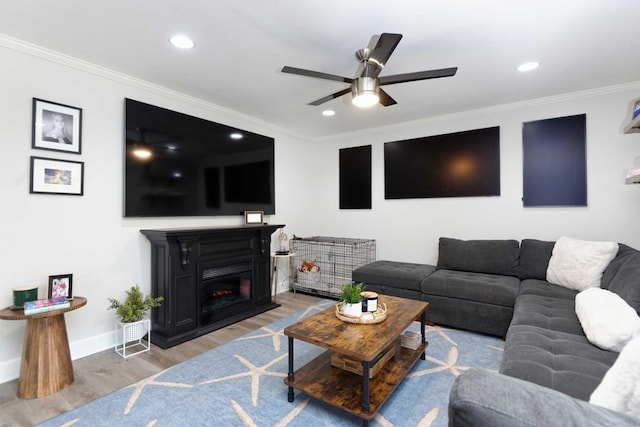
point(365, 387)
point(290, 374)
point(423, 319)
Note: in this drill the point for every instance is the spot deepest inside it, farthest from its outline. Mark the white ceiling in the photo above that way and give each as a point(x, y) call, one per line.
point(241, 45)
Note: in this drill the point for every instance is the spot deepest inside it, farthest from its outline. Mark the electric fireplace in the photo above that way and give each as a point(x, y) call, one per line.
point(209, 277)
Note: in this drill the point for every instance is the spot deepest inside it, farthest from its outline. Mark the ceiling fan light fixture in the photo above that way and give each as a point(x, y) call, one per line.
point(365, 92)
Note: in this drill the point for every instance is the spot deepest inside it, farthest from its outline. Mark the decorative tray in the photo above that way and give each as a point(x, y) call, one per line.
point(365, 318)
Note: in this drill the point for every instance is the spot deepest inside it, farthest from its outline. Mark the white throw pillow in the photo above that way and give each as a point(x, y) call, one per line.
point(607, 320)
point(579, 264)
point(620, 387)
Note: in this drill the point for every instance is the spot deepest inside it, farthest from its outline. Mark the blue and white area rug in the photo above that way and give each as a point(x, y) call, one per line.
point(240, 383)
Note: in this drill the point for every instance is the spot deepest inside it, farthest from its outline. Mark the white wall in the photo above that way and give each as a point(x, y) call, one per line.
point(42, 235)
point(408, 230)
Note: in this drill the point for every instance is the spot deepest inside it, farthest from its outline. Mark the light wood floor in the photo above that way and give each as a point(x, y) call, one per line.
point(105, 372)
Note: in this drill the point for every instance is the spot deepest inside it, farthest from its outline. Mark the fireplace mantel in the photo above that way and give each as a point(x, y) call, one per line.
point(178, 257)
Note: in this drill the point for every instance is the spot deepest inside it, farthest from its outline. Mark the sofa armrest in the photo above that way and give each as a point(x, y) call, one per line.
point(484, 398)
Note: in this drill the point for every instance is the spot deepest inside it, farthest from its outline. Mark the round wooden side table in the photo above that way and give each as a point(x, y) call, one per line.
point(46, 360)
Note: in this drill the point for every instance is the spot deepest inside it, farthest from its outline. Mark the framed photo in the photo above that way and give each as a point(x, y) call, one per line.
point(56, 127)
point(60, 286)
point(253, 217)
point(54, 176)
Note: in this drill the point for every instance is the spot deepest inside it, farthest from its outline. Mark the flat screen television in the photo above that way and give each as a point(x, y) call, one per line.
point(194, 167)
point(461, 164)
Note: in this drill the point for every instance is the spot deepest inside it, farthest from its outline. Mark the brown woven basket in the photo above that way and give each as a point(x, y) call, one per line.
point(366, 318)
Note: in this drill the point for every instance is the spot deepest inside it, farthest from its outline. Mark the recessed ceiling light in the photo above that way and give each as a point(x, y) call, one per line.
point(328, 113)
point(236, 136)
point(182, 41)
point(528, 66)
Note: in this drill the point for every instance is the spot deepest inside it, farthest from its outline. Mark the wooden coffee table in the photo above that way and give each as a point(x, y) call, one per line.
point(354, 393)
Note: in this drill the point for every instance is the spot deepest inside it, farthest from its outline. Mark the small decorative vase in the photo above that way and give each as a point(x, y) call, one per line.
point(354, 310)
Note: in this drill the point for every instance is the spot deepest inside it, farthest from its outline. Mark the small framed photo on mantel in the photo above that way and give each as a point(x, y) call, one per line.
point(60, 286)
point(253, 217)
point(56, 127)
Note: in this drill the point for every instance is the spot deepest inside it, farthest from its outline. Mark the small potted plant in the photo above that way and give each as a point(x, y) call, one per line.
point(351, 299)
point(130, 313)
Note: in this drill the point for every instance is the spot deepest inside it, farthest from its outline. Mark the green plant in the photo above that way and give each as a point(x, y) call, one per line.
point(135, 305)
point(351, 293)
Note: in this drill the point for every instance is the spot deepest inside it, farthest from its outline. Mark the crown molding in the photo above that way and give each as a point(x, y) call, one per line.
point(88, 67)
point(72, 62)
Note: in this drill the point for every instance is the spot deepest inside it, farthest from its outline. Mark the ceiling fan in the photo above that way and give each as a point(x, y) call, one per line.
point(365, 87)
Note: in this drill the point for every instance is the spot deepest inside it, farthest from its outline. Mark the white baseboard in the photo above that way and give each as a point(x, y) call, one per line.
point(10, 369)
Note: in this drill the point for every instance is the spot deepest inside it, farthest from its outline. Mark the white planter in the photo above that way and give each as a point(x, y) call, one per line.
point(133, 338)
point(354, 310)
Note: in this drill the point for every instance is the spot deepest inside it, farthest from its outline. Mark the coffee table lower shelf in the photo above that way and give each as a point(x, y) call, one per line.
point(343, 389)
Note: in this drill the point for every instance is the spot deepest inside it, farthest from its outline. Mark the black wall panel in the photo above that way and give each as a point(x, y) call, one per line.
point(554, 162)
point(355, 177)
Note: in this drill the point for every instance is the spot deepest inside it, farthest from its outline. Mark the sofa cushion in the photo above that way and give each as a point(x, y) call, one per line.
point(579, 264)
point(548, 312)
point(545, 289)
point(534, 258)
point(480, 256)
point(626, 282)
point(479, 287)
point(620, 387)
point(606, 319)
point(403, 275)
point(482, 398)
point(562, 361)
point(624, 252)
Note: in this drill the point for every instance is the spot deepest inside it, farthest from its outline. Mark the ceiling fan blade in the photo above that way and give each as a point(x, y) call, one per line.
point(385, 99)
point(385, 46)
point(330, 97)
point(310, 73)
point(419, 75)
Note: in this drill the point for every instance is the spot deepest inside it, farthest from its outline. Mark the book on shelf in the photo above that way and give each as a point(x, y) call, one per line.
point(44, 305)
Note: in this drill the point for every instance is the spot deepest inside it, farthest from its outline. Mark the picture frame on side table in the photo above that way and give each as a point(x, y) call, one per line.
point(55, 176)
point(253, 217)
point(60, 286)
point(56, 127)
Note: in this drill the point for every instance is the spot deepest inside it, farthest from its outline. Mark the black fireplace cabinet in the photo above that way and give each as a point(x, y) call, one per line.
point(209, 278)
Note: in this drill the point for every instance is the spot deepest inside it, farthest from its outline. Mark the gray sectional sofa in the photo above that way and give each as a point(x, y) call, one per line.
point(499, 287)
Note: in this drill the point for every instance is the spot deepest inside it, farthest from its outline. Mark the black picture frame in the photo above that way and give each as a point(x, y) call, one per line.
point(56, 127)
point(55, 176)
point(60, 285)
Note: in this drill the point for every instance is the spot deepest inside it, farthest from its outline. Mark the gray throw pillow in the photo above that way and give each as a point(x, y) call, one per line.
point(479, 256)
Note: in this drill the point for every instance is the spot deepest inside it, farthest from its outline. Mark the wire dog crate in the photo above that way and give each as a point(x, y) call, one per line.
point(324, 264)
